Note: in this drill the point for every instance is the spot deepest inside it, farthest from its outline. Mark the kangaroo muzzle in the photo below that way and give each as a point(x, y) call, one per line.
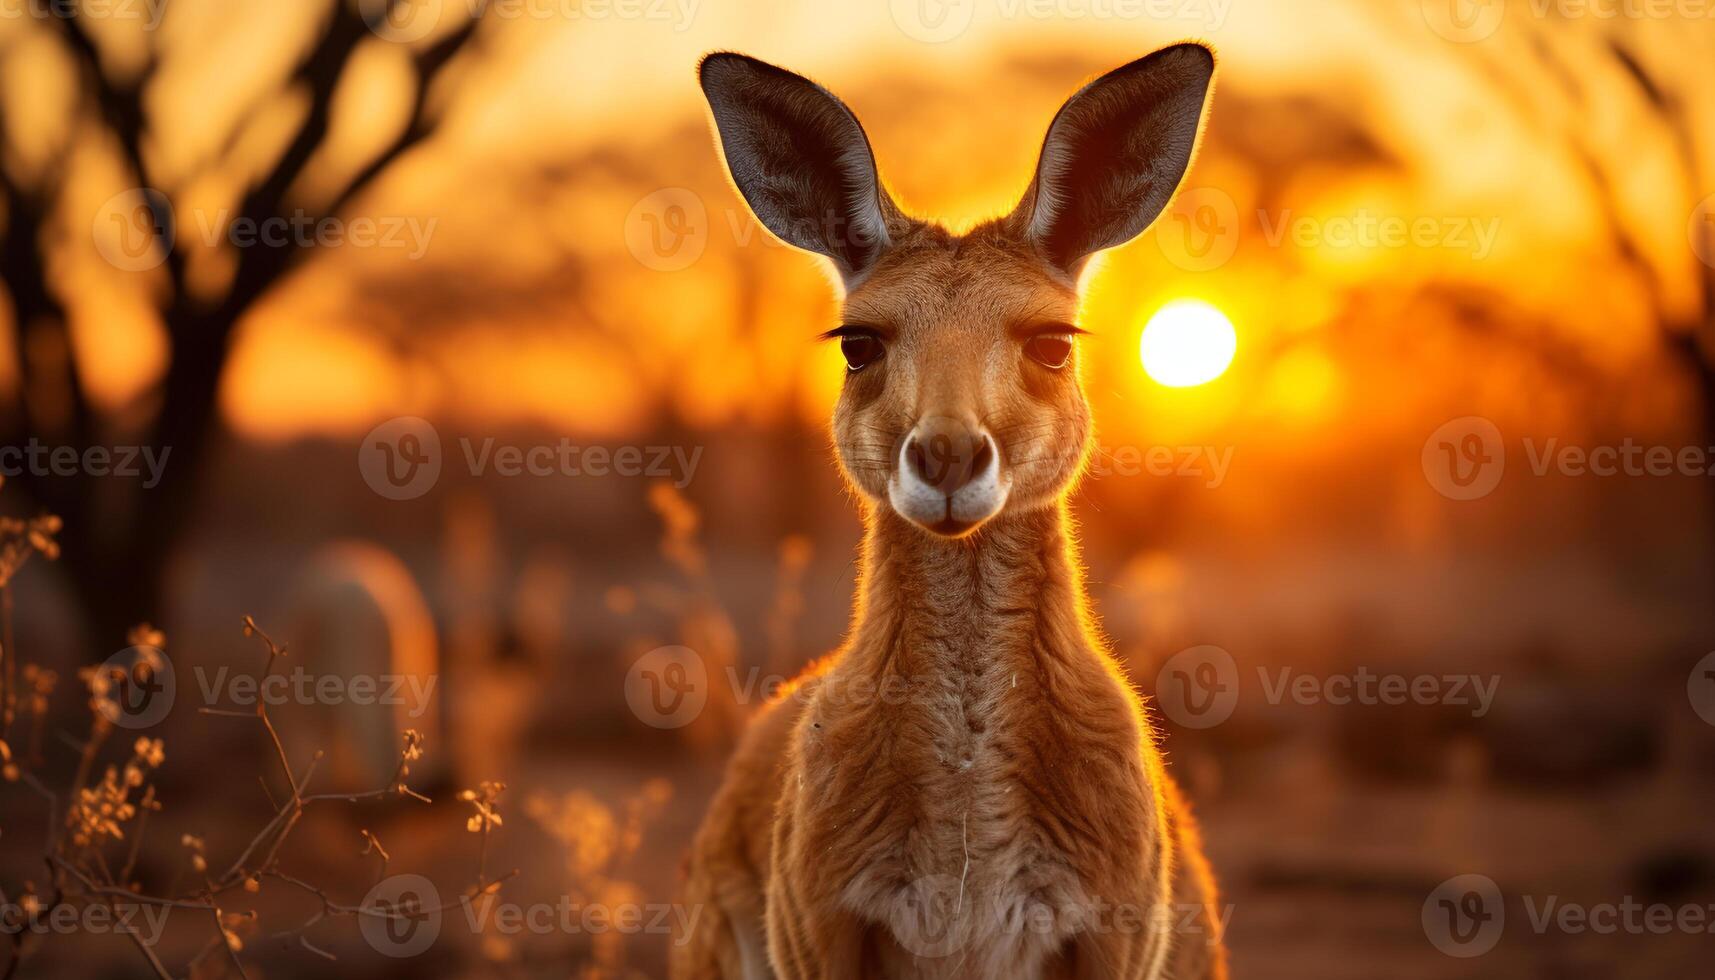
point(948, 476)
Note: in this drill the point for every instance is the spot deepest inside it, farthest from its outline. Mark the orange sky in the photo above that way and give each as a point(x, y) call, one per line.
point(548, 89)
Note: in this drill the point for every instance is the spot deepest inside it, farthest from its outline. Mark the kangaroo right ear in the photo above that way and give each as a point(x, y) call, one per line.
point(1114, 155)
point(800, 159)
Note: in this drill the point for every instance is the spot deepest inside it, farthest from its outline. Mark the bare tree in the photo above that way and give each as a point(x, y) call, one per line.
point(1690, 334)
point(1555, 71)
point(119, 540)
point(1663, 96)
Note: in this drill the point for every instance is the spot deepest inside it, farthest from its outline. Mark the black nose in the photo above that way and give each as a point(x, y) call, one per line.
point(947, 455)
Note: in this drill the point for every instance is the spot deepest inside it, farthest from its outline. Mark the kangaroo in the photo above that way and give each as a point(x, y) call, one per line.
point(969, 786)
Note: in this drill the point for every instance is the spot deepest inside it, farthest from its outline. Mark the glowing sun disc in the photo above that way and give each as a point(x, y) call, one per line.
point(1186, 343)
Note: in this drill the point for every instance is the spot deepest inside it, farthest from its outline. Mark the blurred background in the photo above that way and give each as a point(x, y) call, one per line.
point(318, 271)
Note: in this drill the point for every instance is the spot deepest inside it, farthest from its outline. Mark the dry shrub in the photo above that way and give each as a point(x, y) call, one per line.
point(97, 824)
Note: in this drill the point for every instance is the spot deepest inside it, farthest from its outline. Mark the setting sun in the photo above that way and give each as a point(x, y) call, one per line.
point(1186, 343)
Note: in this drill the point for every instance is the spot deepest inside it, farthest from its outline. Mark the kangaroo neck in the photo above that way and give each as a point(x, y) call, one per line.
point(997, 601)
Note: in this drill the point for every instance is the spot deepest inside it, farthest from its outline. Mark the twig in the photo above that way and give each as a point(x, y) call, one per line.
point(142, 947)
point(225, 940)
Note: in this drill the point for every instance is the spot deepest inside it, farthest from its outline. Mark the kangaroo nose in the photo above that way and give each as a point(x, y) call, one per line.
point(947, 454)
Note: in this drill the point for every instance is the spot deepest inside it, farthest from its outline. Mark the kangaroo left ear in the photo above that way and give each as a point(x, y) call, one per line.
point(1114, 154)
point(800, 159)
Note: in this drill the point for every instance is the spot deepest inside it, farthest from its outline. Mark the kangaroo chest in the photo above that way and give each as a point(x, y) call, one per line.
point(977, 794)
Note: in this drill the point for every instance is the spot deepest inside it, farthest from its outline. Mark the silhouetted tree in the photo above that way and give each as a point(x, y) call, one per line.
point(1665, 85)
point(1664, 93)
point(119, 537)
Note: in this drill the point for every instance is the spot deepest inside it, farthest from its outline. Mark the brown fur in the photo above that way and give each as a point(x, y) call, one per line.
point(969, 787)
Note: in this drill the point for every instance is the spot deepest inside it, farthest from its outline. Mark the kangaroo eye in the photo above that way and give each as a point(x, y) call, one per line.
point(861, 350)
point(1051, 350)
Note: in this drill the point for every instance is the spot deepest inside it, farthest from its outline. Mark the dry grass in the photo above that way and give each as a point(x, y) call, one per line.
point(98, 815)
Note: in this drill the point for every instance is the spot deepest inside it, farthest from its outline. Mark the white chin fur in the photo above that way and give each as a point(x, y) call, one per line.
point(971, 504)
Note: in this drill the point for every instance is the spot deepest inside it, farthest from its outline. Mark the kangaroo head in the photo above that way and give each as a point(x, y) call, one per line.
point(962, 396)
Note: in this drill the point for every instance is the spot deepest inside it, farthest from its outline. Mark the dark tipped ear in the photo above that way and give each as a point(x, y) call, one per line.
point(1114, 155)
point(800, 159)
